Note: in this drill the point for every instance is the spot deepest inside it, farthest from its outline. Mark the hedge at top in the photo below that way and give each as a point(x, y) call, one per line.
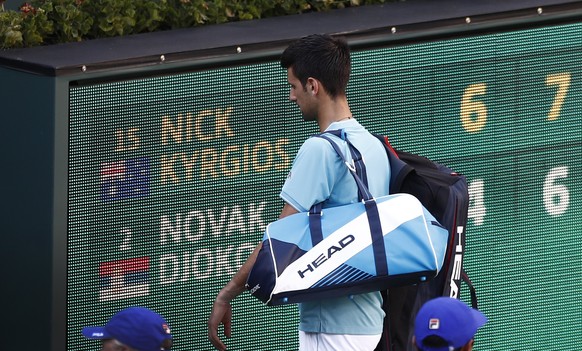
point(46, 22)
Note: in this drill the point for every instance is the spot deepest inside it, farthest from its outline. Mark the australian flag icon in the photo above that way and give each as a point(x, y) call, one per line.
point(125, 179)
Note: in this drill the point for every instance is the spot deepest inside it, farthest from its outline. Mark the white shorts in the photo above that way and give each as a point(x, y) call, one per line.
point(335, 342)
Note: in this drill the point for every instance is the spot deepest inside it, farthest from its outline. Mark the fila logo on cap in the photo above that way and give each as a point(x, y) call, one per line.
point(434, 324)
point(166, 328)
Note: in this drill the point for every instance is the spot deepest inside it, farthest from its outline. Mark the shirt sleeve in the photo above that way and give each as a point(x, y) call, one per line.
point(312, 175)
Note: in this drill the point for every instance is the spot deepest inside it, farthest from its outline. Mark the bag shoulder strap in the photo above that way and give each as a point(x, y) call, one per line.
point(399, 169)
point(356, 165)
point(472, 290)
point(370, 205)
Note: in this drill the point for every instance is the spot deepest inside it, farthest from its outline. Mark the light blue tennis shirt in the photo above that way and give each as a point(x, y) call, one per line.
point(318, 174)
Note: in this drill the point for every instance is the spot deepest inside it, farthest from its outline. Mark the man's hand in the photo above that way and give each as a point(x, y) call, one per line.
point(222, 310)
point(221, 314)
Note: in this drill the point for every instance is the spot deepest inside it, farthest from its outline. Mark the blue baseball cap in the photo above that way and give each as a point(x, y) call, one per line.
point(450, 319)
point(137, 327)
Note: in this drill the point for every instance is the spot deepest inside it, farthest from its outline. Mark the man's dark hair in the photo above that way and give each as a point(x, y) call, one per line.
point(434, 341)
point(321, 57)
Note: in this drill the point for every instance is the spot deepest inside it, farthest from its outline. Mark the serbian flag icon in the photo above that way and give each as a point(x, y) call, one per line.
point(124, 278)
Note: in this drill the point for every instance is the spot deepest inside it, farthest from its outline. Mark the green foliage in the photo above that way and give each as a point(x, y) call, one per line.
point(45, 22)
point(10, 29)
point(71, 23)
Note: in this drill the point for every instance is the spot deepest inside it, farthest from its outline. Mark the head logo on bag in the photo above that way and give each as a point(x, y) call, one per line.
point(322, 258)
point(457, 266)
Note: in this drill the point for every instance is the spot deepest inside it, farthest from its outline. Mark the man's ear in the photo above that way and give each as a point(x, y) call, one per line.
point(468, 346)
point(167, 344)
point(312, 86)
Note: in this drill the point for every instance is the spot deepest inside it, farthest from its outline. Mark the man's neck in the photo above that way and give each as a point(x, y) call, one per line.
point(333, 111)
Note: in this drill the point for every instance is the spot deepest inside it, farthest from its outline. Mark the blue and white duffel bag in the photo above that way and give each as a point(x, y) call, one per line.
point(368, 246)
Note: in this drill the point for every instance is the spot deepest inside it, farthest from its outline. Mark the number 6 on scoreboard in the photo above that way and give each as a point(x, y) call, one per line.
point(556, 197)
point(469, 107)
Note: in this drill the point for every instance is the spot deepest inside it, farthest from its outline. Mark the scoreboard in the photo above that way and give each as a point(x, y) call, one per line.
point(176, 178)
point(148, 180)
point(173, 178)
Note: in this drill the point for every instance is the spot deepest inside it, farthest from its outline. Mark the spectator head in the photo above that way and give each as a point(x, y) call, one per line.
point(135, 328)
point(446, 324)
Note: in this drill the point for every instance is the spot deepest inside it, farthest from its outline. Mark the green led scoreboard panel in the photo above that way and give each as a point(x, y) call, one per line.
point(173, 178)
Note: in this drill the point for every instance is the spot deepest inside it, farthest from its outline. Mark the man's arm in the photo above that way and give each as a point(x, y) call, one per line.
point(222, 309)
point(287, 210)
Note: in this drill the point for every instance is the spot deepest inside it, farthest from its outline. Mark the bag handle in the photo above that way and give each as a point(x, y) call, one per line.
point(370, 205)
